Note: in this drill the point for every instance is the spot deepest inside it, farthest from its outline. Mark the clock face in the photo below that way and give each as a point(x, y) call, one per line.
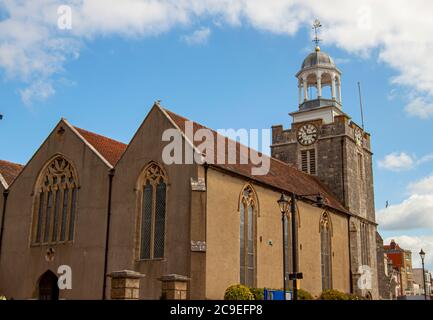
point(358, 137)
point(307, 134)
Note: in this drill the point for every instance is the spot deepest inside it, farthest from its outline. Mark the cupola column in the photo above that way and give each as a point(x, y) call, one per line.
point(305, 84)
point(339, 90)
point(333, 86)
point(319, 84)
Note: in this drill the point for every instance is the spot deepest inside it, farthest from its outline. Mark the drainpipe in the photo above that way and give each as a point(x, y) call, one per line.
point(5, 200)
point(107, 233)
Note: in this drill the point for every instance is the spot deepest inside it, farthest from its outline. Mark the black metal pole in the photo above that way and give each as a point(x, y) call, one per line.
point(283, 217)
point(294, 245)
point(423, 277)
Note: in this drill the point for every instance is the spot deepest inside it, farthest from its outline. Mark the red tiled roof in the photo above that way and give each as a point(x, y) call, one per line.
point(281, 175)
point(396, 258)
point(110, 149)
point(9, 170)
point(393, 246)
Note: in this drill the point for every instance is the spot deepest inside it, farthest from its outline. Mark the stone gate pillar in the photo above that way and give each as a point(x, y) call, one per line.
point(125, 284)
point(174, 287)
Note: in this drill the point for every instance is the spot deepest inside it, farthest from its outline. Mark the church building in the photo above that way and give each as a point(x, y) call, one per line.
point(100, 206)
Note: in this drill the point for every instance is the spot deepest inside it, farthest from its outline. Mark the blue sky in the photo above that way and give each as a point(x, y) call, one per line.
point(235, 76)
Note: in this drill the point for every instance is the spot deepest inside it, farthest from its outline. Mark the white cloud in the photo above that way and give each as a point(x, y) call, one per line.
point(402, 161)
point(30, 39)
point(396, 161)
point(415, 244)
point(415, 212)
point(39, 90)
point(421, 108)
point(423, 186)
point(199, 36)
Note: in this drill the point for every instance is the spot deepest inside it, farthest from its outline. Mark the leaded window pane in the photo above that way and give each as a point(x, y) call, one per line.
point(146, 222)
point(72, 216)
point(247, 237)
point(159, 221)
point(64, 215)
point(56, 216)
point(54, 208)
point(40, 213)
point(326, 253)
point(48, 216)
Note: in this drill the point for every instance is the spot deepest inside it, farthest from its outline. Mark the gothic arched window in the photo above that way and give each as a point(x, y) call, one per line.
point(365, 257)
point(55, 203)
point(326, 251)
point(153, 206)
point(248, 212)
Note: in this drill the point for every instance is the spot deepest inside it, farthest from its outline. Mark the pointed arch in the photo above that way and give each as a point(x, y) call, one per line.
point(326, 222)
point(47, 286)
point(248, 212)
point(151, 213)
point(249, 194)
point(55, 199)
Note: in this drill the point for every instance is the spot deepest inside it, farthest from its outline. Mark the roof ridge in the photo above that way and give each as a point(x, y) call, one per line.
point(13, 163)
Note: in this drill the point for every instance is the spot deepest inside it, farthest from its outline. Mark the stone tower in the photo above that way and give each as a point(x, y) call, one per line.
point(324, 142)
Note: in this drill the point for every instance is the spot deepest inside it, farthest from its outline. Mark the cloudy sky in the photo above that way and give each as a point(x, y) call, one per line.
point(228, 64)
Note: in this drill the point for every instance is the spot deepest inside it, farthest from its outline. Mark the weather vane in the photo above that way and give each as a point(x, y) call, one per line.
point(316, 26)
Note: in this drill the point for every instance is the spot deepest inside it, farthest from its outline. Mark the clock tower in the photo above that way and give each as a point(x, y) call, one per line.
point(324, 142)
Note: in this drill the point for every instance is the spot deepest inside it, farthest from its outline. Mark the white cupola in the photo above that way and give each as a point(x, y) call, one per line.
point(318, 71)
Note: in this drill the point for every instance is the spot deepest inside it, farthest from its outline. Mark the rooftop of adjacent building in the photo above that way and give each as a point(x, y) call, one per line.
point(9, 170)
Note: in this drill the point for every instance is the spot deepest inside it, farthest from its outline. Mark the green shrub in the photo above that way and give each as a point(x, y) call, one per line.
point(355, 297)
point(304, 295)
point(258, 293)
point(333, 295)
point(238, 292)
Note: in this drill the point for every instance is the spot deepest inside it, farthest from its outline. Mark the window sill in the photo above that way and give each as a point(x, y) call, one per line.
point(151, 260)
point(54, 244)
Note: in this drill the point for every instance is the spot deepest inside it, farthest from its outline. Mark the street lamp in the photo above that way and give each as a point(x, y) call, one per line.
point(422, 255)
point(284, 204)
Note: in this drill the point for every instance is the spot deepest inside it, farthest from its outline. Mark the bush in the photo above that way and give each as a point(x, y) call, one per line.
point(304, 295)
point(355, 297)
point(238, 292)
point(258, 293)
point(334, 295)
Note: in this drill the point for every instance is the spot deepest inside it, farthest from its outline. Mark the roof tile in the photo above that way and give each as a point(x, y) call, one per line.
point(281, 175)
point(9, 170)
point(110, 149)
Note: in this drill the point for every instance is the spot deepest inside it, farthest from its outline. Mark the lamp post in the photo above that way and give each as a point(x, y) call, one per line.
point(422, 255)
point(284, 203)
point(294, 245)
